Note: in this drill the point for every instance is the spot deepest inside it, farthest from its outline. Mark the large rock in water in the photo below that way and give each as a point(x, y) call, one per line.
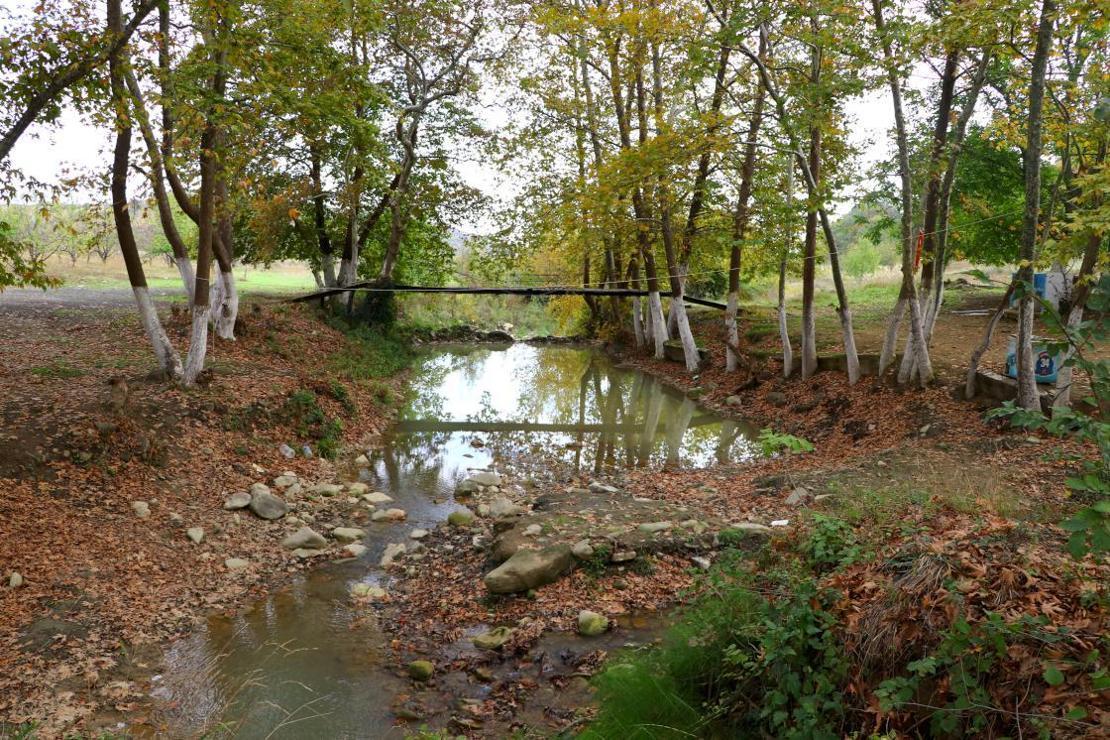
point(267, 505)
point(529, 569)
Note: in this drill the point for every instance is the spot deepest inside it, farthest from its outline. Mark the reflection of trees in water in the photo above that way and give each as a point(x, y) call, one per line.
point(642, 423)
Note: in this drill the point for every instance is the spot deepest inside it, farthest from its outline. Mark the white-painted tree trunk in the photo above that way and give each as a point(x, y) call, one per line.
point(784, 329)
point(327, 264)
point(850, 353)
point(809, 345)
point(1027, 395)
point(227, 310)
point(637, 322)
point(198, 346)
point(915, 345)
point(689, 347)
point(890, 342)
point(731, 309)
point(658, 323)
point(319, 279)
point(168, 359)
point(185, 269)
point(346, 272)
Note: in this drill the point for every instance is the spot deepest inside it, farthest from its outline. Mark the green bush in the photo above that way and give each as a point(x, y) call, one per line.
point(738, 663)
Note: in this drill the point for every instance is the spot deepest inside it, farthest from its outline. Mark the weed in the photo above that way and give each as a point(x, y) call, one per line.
point(596, 564)
point(771, 443)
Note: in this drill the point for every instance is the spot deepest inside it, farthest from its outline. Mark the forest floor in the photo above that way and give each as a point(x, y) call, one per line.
point(86, 436)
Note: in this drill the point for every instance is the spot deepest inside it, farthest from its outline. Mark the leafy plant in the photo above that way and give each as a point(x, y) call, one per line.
point(772, 442)
point(832, 544)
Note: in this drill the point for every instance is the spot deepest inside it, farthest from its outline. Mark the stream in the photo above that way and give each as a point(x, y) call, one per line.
point(293, 666)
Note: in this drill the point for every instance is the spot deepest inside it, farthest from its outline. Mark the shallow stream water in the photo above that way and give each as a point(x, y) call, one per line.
point(293, 665)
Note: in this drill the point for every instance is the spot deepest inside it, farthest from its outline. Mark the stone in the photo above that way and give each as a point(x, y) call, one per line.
point(582, 550)
point(418, 534)
point(176, 519)
point(673, 351)
point(355, 550)
point(287, 451)
point(141, 509)
point(780, 523)
point(305, 537)
point(326, 489)
point(502, 506)
point(348, 534)
point(362, 461)
point(596, 487)
point(799, 497)
point(466, 487)
point(421, 670)
point(196, 534)
point(528, 569)
point(237, 501)
point(304, 553)
point(392, 552)
point(734, 401)
point(533, 530)
point(592, 624)
point(493, 639)
point(266, 505)
point(306, 450)
point(376, 498)
point(822, 497)
point(486, 478)
point(653, 527)
point(753, 527)
point(388, 515)
point(460, 518)
point(357, 489)
point(367, 591)
point(701, 562)
point(259, 488)
point(15, 580)
point(285, 480)
point(623, 556)
point(483, 510)
point(776, 398)
point(236, 563)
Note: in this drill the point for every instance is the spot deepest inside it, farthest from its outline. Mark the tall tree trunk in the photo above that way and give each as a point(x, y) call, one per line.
point(907, 295)
point(788, 247)
point(809, 270)
point(319, 207)
point(740, 222)
point(674, 266)
point(934, 174)
point(168, 360)
point(1028, 397)
point(637, 317)
point(157, 183)
point(407, 136)
point(210, 142)
point(226, 304)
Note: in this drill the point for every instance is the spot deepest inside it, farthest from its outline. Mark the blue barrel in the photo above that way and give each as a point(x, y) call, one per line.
point(1046, 366)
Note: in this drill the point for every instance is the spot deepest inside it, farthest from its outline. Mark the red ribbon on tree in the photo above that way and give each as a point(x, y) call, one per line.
point(920, 248)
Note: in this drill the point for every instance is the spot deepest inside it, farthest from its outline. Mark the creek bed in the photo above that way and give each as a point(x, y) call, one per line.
point(305, 661)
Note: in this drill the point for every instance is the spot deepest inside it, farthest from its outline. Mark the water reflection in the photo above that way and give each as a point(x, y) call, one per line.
point(292, 666)
point(573, 404)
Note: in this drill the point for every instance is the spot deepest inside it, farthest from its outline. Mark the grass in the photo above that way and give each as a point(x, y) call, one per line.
point(57, 371)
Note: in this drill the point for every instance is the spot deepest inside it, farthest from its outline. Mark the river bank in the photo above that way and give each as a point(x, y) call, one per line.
point(634, 477)
point(110, 479)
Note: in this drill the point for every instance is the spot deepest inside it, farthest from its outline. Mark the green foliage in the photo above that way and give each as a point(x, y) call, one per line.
point(1089, 528)
point(737, 664)
point(597, 563)
point(18, 270)
point(862, 260)
point(962, 666)
point(368, 352)
point(302, 409)
point(57, 370)
point(831, 544)
point(772, 443)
